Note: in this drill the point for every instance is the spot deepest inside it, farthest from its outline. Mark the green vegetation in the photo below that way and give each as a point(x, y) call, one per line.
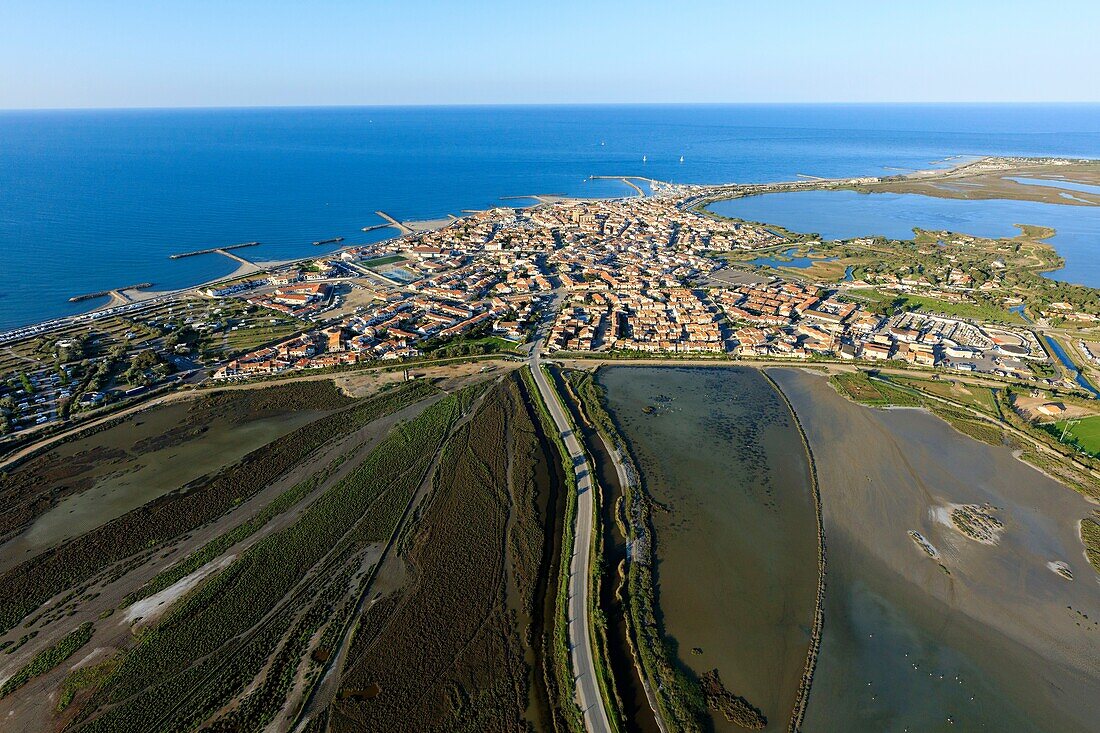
point(734, 708)
point(859, 387)
point(579, 410)
point(215, 547)
point(475, 342)
point(1083, 433)
point(1061, 461)
point(273, 597)
point(384, 260)
point(680, 698)
point(30, 584)
point(970, 395)
point(448, 650)
point(84, 678)
point(1090, 535)
point(977, 310)
point(976, 522)
point(560, 660)
point(875, 391)
point(145, 368)
point(49, 658)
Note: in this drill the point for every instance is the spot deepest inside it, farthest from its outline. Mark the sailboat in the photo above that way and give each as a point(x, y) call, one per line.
point(643, 159)
point(681, 159)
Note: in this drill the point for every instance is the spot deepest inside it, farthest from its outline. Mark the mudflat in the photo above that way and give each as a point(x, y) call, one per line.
point(736, 537)
point(927, 628)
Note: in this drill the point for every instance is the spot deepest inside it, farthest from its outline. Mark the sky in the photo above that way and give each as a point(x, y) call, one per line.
point(167, 53)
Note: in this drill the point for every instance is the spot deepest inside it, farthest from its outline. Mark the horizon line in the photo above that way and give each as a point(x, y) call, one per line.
point(503, 105)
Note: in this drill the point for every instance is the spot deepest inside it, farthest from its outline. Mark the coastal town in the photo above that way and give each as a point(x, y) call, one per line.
point(646, 276)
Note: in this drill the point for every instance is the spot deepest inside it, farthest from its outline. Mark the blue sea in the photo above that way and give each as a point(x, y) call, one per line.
point(92, 200)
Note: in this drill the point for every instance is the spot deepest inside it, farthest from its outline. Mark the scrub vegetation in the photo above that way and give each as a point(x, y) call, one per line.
point(79, 560)
point(447, 651)
point(252, 623)
point(1090, 535)
point(49, 658)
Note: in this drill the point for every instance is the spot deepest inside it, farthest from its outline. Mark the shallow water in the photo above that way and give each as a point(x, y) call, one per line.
point(789, 260)
point(737, 550)
point(847, 214)
point(139, 480)
point(994, 640)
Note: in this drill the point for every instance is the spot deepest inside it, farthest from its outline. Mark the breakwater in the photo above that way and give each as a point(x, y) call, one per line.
point(105, 293)
point(212, 250)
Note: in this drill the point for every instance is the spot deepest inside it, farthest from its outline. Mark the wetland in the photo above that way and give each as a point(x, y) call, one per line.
point(958, 595)
point(734, 527)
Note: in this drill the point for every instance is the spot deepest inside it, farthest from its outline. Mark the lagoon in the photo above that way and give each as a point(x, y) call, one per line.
point(846, 214)
point(992, 640)
point(736, 538)
point(787, 259)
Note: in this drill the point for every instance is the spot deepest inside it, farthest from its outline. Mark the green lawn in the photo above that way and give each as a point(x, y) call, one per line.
point(978, 311)
point(1085, 433)
point(382, 261)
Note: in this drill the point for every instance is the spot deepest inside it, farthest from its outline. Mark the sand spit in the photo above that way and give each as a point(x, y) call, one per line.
point(973, 521)
point(1061, 569)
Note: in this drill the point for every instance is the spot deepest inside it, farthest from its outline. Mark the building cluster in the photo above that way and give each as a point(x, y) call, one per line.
point(632, 275)
point(776, 318)
point(625, 267)
point(32, 398)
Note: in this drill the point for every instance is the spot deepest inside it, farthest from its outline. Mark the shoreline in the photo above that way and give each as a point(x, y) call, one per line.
point(691, 196)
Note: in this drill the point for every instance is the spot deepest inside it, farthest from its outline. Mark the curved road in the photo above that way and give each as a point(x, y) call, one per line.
point(580, 631)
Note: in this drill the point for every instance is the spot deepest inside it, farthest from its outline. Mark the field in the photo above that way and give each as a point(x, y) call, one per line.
point(254, 622)
point(160, 449)
point(859, 387)
point(78, 560)
point(383, 261)
point(447, 650)
point(974, 311)
point(1084, 433)
point(392, 582)
point(971, 395)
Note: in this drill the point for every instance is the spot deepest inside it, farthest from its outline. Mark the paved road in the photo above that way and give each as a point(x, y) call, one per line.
point(580, 632)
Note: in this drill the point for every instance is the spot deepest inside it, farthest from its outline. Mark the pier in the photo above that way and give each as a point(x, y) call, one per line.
point(212, 250)
point(542, 198)
point(114, 293)
point(334, 240)
point(372, 227)
point(225, 251)
point(625, 179)
point(404, 229)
